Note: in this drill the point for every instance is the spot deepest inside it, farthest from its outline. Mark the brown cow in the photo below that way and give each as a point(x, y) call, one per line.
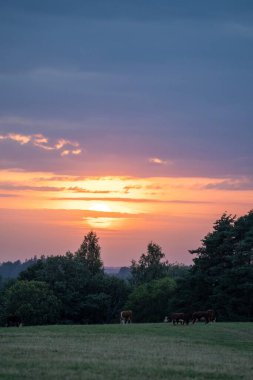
point(126, 316)
point(211, 315)
point(207, 316)
point(182, 318)
point(13, 321)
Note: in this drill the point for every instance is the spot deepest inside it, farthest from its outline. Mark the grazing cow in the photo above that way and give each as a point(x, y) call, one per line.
point(126, 316)
point(182, 318)
point(207, 316)
point(166, 319)
point(211, 315)
point(13, 321)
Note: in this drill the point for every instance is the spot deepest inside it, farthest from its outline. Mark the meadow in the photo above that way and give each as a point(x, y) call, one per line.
point(218, 351)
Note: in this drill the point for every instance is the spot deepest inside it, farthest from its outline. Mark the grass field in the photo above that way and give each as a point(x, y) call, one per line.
point(138, 351)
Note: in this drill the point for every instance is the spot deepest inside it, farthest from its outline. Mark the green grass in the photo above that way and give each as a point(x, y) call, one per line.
point(221, 351)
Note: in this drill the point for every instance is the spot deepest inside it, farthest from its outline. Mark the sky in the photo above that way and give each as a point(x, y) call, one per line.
point(129, 118)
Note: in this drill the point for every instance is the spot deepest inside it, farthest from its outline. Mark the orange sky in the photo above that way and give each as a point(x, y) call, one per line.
point(43, 213)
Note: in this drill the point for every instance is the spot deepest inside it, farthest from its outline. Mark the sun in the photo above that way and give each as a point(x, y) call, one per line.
point(98, 221)
point(103, 207)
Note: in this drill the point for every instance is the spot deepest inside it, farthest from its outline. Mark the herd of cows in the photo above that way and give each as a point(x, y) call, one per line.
point(185, 318)
point(126, 316)
point(207, 316)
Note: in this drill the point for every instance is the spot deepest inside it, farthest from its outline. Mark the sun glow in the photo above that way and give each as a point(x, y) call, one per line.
point(100, 222)
point(103, 207)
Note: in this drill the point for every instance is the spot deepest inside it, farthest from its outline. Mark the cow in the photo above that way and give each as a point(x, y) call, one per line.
point(126, 316)
point(211, 315)
point(207, 316)
point(182, 318)
point(13, 321)
point(199, 315)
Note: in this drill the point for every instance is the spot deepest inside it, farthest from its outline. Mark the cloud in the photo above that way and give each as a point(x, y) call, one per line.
point(42, 142)
point(77, 189)
point(131, 200)
point(242, 184)
point(128, 188)
point(8, 195)
point(21, 139)
point(10, 186)
point(159, 161)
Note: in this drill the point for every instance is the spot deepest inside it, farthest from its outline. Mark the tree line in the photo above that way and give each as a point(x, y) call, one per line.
point(74, 288)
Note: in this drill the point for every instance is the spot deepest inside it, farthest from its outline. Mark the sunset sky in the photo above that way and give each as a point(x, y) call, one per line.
point(131, 118)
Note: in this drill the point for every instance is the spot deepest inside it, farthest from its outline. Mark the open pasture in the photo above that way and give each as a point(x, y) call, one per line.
point(219, 351)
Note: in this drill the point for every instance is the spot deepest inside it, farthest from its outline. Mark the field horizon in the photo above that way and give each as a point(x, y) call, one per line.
point(214, 351)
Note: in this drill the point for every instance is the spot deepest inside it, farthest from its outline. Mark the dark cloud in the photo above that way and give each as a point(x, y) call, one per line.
point(244, 184)
point(129, 80)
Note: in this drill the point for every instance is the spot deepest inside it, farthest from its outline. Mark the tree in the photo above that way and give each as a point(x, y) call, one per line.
point(33, 302)
point(118, 290)
point(68, 277)
point(222, 274)
point(149, 266)
point(89, 252)
point(149, 301)
point(86, 297)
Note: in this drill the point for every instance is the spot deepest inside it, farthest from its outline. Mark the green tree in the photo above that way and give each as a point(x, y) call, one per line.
point(68, 277)
point(149, 266)
point(85, 297)
point(118, 290)
point(33, 302)
point(222, 274)
point(89, 252)
point(149, 301)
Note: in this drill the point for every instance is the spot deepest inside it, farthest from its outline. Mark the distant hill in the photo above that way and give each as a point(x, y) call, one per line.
point(112, 270)
point(120, 272)
point(11, 270)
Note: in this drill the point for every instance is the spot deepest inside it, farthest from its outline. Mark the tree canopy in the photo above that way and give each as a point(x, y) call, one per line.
point(149, 266)
point(73, 288)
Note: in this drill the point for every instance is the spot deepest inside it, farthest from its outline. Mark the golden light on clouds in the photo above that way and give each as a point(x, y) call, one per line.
point(126, 210)
point(100, 207)
point(40, 141)
point(100, 221)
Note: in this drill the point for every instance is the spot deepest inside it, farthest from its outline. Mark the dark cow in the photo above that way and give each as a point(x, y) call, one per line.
point(211, 315)
point(200, 315)
point(13, 321)
point(207, 316)
point(182, 318)
point(126, 316)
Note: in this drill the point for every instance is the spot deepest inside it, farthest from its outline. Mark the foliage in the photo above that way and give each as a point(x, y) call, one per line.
point(33, 302)
point(149, 301)
point(89, 252)
point(149, 267)
point(222, 274)
point(87, 295)
point(221, 278)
